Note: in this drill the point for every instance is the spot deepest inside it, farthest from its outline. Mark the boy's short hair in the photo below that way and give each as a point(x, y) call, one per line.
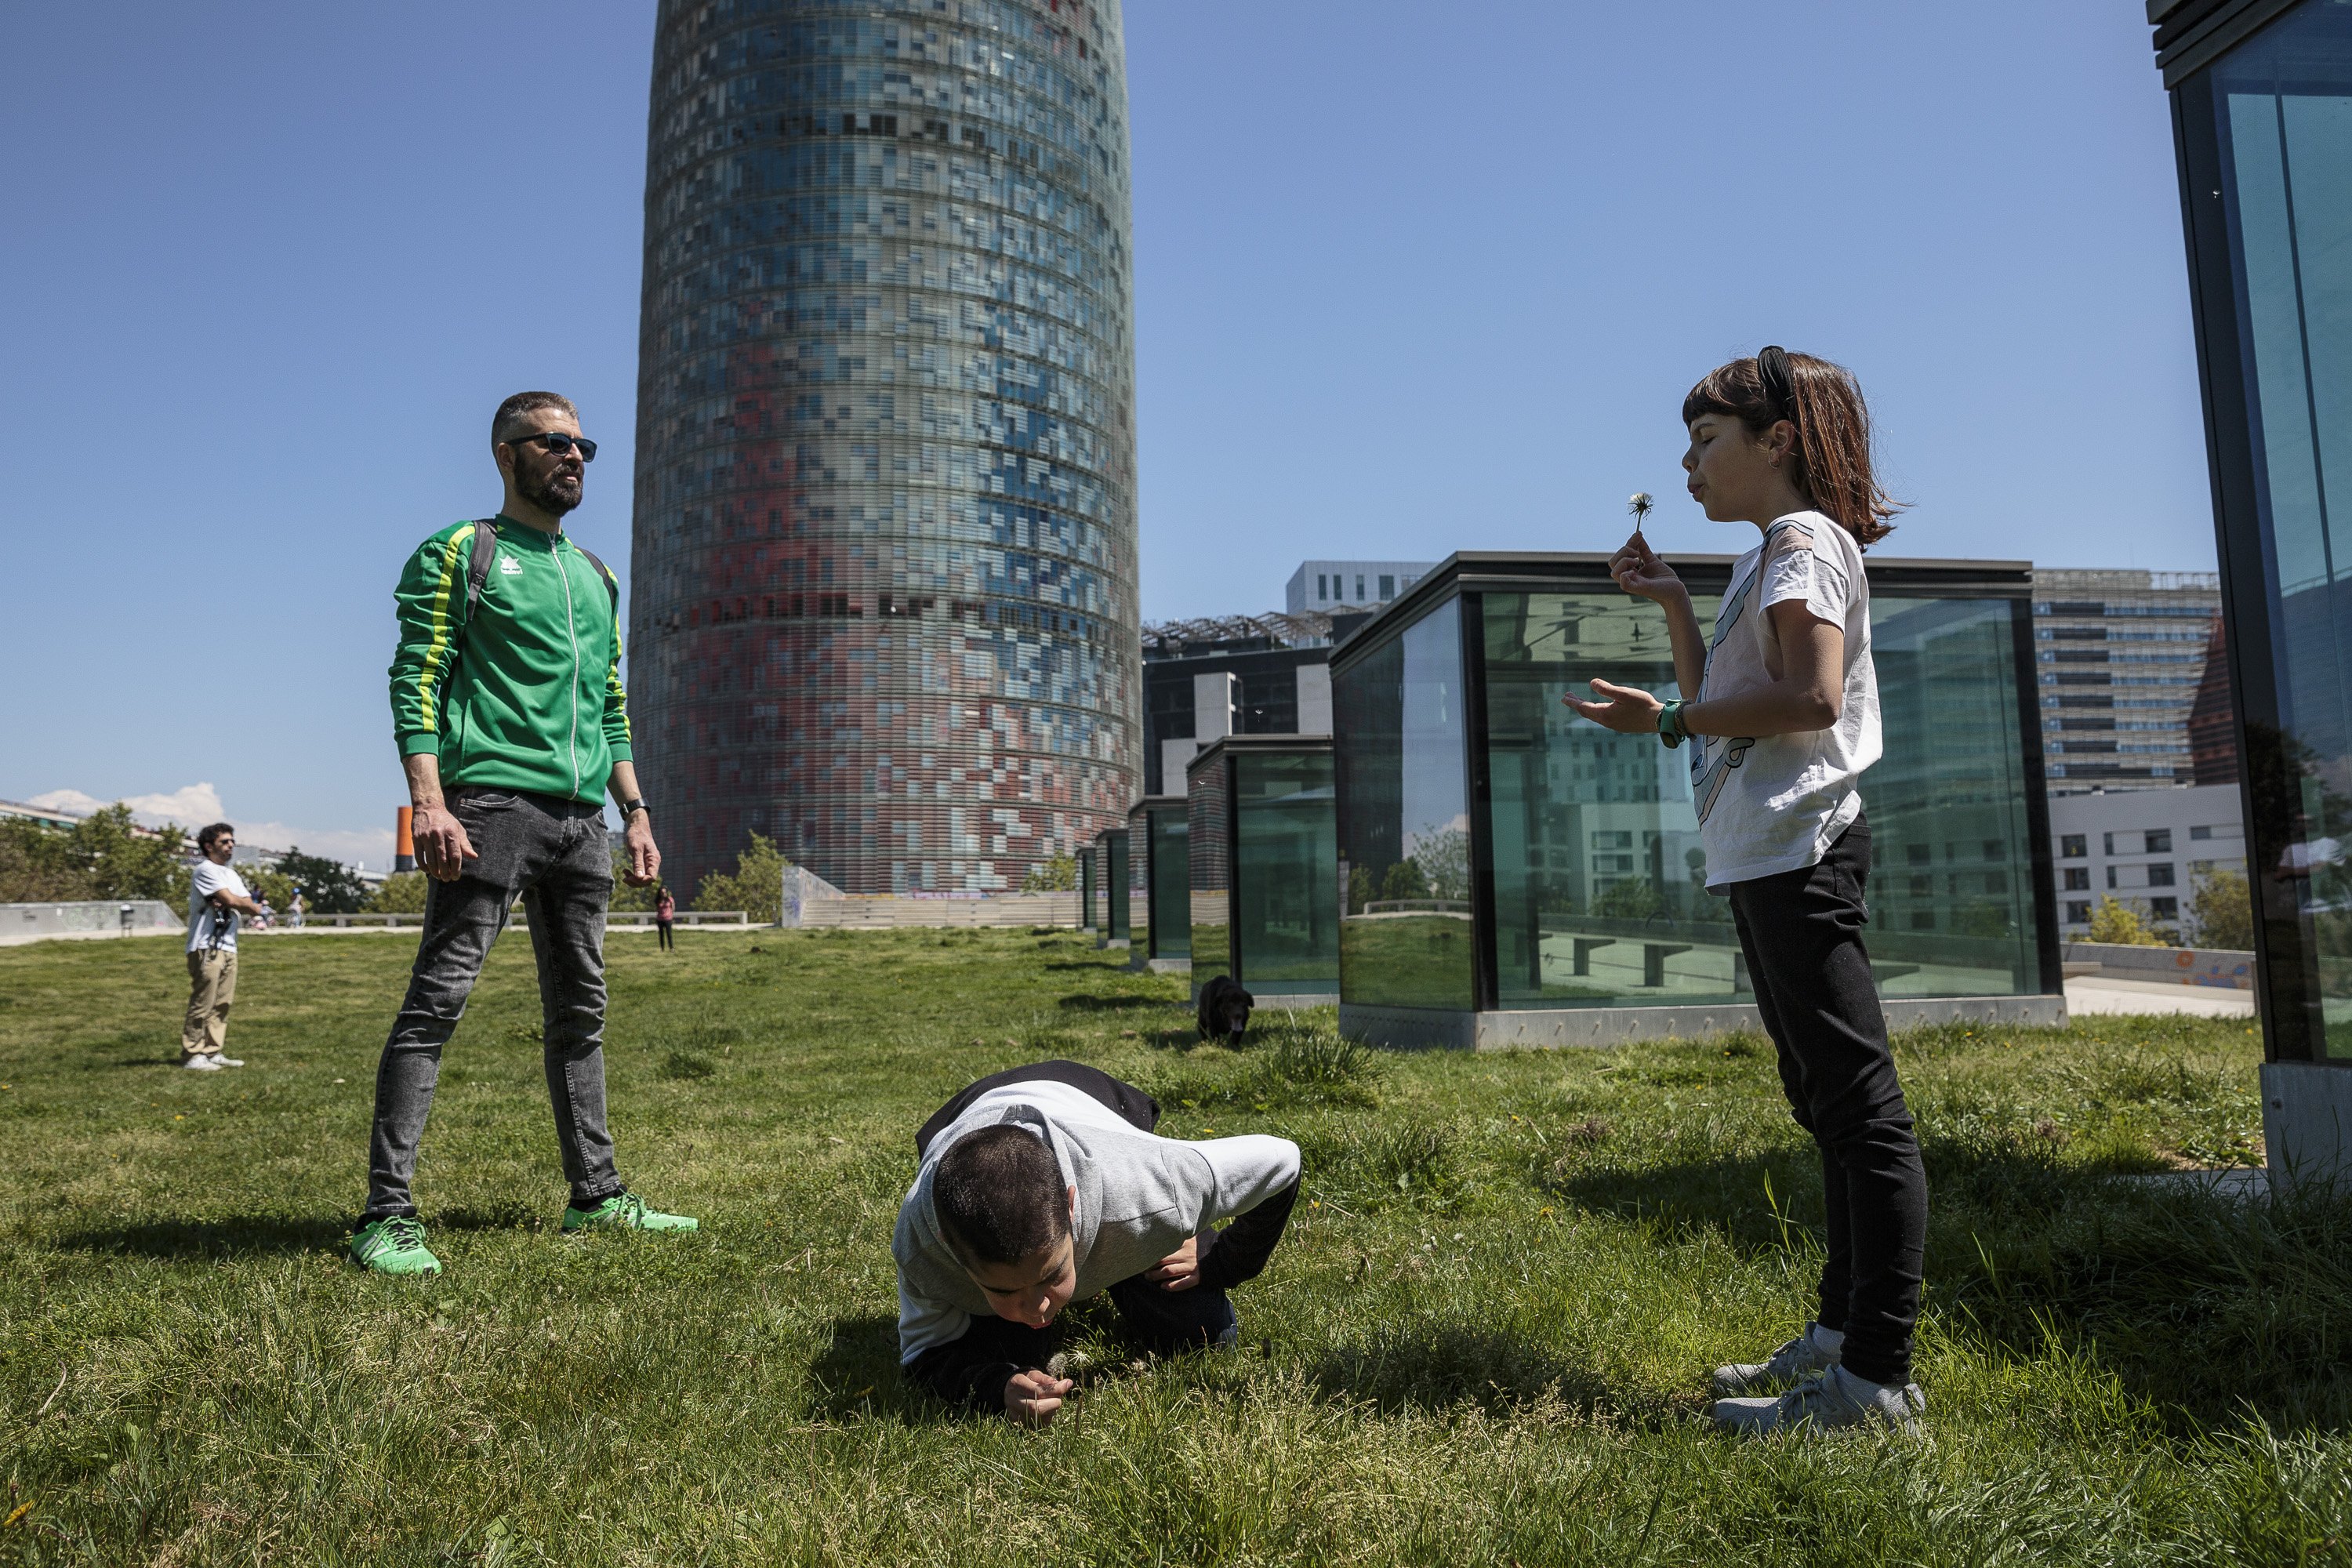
point(207, 836)
point(999, 1195)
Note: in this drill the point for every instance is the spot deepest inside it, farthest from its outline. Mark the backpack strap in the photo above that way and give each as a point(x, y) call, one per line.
point(611, 584)
point(477, 568)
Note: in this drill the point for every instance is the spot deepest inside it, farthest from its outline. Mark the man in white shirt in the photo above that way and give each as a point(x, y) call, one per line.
point(218, 900)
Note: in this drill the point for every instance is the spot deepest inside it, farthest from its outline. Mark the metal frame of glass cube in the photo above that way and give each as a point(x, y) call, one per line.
point(1110, 849)
point(1156, 834)
point(1515, 875)
point(1265, 860)
point(2262, 115)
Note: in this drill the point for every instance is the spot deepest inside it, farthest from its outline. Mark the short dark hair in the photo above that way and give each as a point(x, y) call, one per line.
point(208, 836)
point(999, 1195)
point(503, 422)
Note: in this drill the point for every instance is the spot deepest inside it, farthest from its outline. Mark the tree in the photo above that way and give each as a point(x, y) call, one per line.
point(756, 886)
point(1629, 899)
point(1059, 874)
point(2120, 923)
point(329, 887)
point(1404, 880)
point(1444, 861)
point(103, 855)
point(37, 864)
point(1359, 889)
point(402, 893)
point(2222, 909)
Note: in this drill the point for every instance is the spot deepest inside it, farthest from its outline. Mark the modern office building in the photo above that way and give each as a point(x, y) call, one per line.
point(2146, 849)
point(2118, 656)
point(883, 599)
point(1514, 874)
point(1338, 585)
point(2262, 115)
point(1234, 675)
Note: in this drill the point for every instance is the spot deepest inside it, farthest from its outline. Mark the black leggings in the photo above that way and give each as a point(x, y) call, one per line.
point(667, 941)
point(1801, 932)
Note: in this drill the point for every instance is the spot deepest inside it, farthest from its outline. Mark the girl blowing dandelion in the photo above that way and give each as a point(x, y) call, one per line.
point(1781, 712)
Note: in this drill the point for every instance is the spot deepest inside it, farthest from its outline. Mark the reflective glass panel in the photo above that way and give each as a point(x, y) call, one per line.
point(1170, 883)
point(1599, 883)
point(1406, 939)
point(1286, 896)
point(2286, 134)
point(1210, 847)
point(1115, 885)
point(1086, 887)
point(1951, 884)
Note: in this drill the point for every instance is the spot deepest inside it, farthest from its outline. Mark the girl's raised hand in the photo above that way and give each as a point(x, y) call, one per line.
point(1643, 572)
point(1628, 710)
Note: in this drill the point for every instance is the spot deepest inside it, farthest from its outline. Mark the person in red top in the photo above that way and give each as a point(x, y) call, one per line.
point(666, 918)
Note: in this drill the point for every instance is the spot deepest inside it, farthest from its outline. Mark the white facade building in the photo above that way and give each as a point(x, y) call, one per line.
point(1328, 585)
point(2146, 849)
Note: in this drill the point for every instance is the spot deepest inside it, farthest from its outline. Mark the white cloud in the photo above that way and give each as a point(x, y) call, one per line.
point(193, 805)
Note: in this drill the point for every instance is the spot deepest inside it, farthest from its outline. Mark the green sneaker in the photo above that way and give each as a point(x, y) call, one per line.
point(394, 1245)
point(624, 1210)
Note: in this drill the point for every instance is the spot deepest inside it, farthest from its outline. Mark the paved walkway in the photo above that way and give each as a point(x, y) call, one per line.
point(2088, 994)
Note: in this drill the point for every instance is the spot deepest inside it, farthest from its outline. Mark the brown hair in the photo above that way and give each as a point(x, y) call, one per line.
point(1833, 440)
point(999, 1196)
point(511, 411)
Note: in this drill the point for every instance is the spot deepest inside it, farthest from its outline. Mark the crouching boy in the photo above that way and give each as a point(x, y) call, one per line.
point(1045, 1185)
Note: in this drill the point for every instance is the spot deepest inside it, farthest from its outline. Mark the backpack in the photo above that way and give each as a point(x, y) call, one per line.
point(486, 551)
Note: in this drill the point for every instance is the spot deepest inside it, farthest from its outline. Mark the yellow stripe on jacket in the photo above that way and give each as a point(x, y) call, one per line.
point(440, 644)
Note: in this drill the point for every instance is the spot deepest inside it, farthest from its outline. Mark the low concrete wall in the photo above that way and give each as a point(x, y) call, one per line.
point(90, 918)
point(2216, 967)
point(866, 911)
point(1552, 1028)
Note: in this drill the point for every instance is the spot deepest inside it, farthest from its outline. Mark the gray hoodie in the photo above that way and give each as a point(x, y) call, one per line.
point(1139, 1197)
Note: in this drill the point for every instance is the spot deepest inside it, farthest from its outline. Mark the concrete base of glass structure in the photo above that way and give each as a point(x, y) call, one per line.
point(1162, 966)
point(1551, 1028)
point(2307, 1124)
point(1284, 1000)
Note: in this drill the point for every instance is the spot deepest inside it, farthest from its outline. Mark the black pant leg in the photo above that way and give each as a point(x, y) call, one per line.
point(1134, 1107)
point(973, 1371)
point(1803, 934)
point(1163, 1323)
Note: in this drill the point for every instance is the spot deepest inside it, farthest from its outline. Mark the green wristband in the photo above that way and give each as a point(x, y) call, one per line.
point(1670, 723)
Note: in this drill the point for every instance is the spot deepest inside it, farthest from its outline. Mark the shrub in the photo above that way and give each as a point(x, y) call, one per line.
point(402, 893)
point(2222, 909)
point(756, 886)
point(103, 855)
point(2114, 921)
point(1059, 874)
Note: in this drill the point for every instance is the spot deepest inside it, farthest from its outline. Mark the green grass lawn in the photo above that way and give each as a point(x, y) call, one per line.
point(1486, 1341)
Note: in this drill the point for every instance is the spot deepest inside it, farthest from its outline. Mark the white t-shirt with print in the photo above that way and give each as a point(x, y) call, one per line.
point(207, 919)
point(1777, 803)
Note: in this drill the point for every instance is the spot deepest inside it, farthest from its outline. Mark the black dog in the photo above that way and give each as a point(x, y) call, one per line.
point(1224, 1010)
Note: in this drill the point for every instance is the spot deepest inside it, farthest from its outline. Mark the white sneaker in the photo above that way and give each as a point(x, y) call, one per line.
point(202, 1064)
point(226, 1061)
point(1835, 1399)
point(1808, 1354)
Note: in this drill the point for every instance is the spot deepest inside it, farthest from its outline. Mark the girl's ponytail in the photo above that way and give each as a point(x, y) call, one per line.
point(1833, 441)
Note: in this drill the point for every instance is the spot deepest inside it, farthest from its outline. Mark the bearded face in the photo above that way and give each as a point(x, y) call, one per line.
point(551, 483)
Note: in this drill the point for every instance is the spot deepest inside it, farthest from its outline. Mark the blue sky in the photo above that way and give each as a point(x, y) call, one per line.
point(1410, 279)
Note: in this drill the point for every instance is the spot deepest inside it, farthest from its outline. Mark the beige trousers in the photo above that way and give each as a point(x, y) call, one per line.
point(211, 986)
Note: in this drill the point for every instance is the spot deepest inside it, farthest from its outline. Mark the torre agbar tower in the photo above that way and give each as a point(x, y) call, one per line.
point(884, 582)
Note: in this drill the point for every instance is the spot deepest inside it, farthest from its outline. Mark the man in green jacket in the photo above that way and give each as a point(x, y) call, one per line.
point(511, 724)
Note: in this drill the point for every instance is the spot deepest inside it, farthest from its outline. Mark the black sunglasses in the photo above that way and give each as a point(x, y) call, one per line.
point(557, 442)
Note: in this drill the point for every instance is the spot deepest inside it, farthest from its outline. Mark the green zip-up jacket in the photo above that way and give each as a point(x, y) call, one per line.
point(529, 697)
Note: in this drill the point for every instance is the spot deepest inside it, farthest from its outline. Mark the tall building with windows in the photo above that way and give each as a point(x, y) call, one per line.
point(2119, 656)
point(883, 605)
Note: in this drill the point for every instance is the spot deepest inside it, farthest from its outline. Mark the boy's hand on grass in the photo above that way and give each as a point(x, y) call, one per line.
point(1181, 1269)
point(1033, 1396)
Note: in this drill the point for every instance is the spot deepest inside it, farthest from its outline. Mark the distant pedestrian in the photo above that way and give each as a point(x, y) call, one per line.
point(1781, 713)
point(666, 919)
point(219, 900)
point(506, 689)
point(294, 910)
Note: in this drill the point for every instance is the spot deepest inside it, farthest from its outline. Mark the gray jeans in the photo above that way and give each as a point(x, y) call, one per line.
point(553, 852)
